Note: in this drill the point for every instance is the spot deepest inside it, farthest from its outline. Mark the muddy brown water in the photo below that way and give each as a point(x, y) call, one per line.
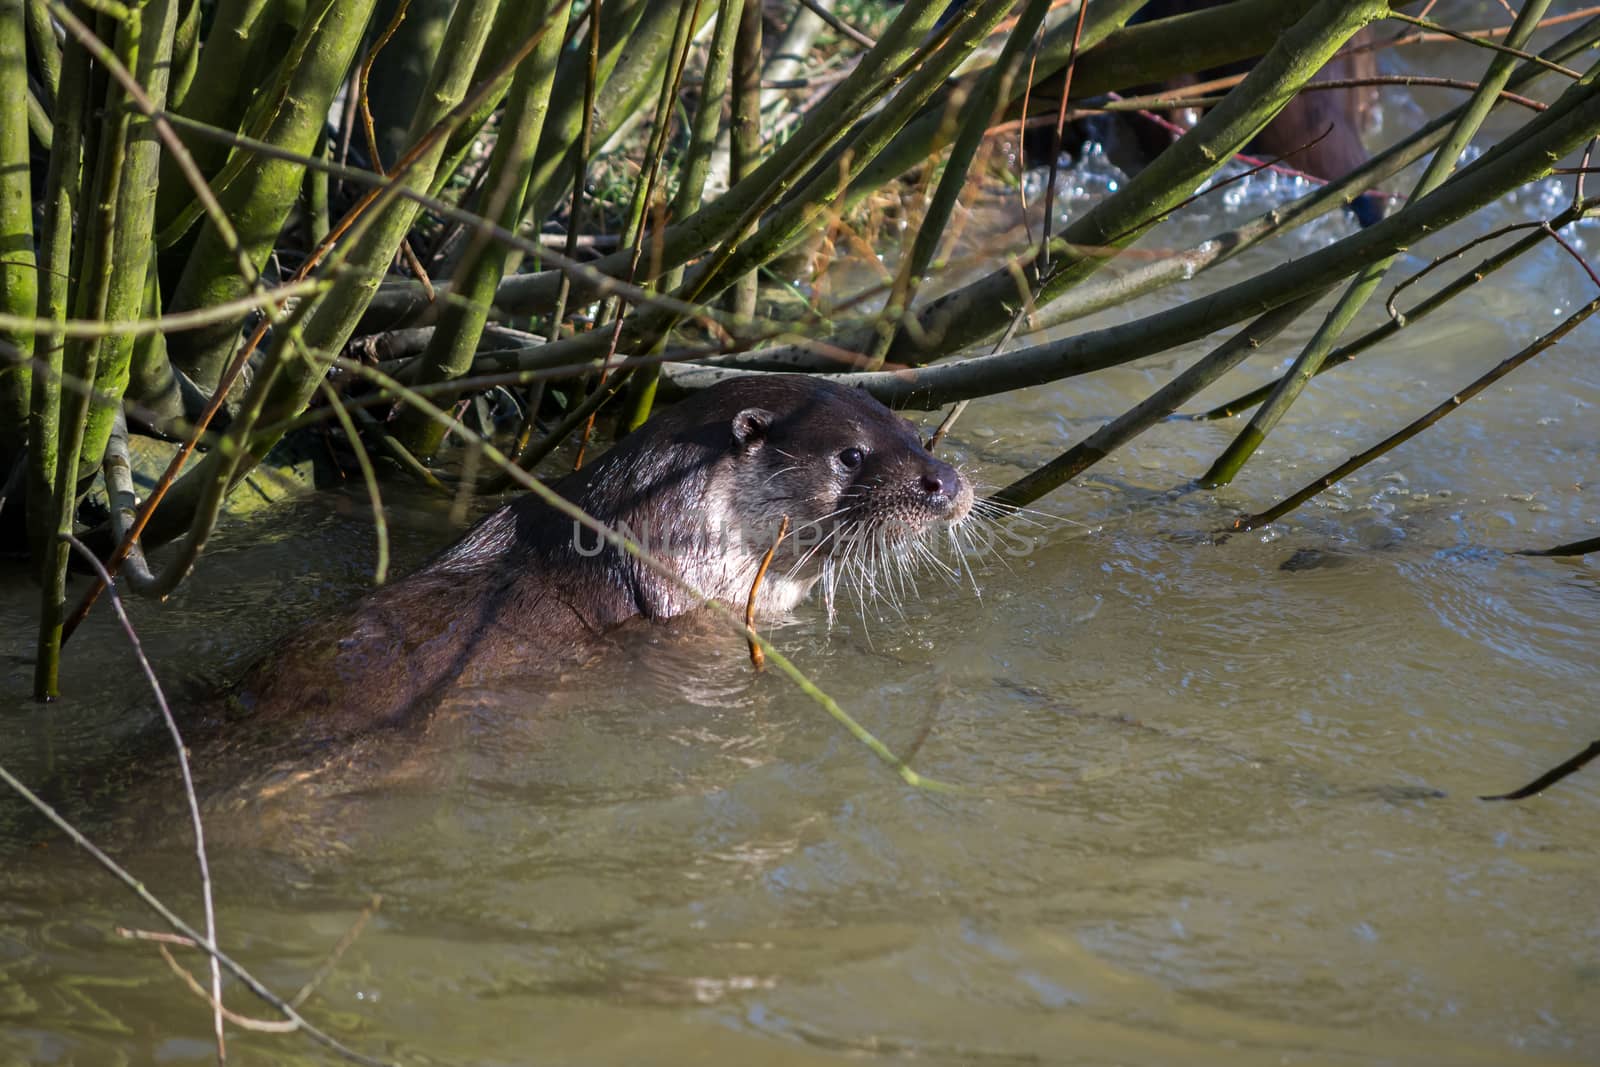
point(1220, 798)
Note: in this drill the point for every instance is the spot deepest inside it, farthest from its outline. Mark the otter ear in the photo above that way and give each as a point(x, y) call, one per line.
point(750, 428)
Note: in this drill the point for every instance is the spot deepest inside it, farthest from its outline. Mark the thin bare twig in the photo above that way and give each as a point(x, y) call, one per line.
point(1042, 257)
point(188, 780)
point(163, 939)
point(1199, 94)
point(407, 253)
point(1391, 305)
point(1484, 42)
point(233, 967)
point(339, 949)
point(244, 1022)
point(949, 420)
point(838, 25)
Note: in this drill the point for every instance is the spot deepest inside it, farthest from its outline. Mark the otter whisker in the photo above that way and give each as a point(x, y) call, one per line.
point(965, 547)
point(926, 552)
point(991, 508)
point(979, 534)
point(781, 471)
point(891, 594)
point(822, 542)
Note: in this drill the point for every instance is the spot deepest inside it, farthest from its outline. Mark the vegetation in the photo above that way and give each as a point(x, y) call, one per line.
point(453, 232)
point(220, 224)
point(191, 249)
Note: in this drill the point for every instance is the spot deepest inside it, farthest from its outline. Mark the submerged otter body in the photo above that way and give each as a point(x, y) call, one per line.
point(703, 486)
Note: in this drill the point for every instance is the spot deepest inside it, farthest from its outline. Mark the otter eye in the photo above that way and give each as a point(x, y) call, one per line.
point(851, 458)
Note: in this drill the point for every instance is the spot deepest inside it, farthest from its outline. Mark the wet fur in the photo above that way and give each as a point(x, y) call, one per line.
point(523, 590)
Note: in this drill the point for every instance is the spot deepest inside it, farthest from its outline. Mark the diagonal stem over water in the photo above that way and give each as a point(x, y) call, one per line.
point(1366, 282)
point(1500, 370)
point(1163, 402)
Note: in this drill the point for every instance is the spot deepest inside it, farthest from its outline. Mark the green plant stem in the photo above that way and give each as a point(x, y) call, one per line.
point(575, 214)
point(46, 52)
point(263, 190)
point(696, 167)
point(633, 226)
point(216, 94)
point(644, 188)
point(185, 53)
point(19, 285)
point(645, 205)
point(62, 203)
point(627, 39)
point(1411, 430)
point(978, 113)
point(153, 386)
point(744, 154)
point(318, 218)
point(79, 362)
point(400, 70)
point(460, 327)
point(504, 38)
point(1366, 282)
point(1163, 402)
point(369, 478)
point(134, 226)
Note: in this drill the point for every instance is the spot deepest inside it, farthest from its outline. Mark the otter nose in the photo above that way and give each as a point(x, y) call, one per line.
point(941, 482)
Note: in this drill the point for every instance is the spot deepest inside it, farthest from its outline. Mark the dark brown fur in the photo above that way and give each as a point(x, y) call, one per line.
point(703, 484)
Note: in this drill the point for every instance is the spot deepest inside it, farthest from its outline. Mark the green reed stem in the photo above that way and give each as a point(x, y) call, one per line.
point(1366, 282)
point(696, 166)
point(90, 300)
point(460, 327)
point(1454, 402)
point(19, 277)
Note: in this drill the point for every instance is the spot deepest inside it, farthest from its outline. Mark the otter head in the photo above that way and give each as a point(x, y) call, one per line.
point(863, 496)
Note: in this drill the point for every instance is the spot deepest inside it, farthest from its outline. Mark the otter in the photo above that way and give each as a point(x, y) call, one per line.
point(703, 485)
